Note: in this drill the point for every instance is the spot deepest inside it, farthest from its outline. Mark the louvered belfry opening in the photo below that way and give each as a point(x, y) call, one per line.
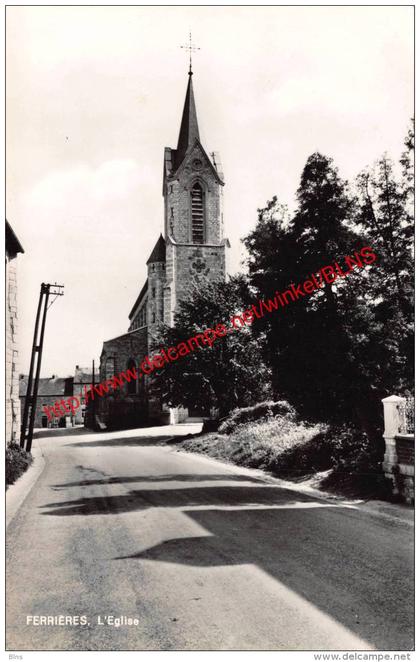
point(197, 214)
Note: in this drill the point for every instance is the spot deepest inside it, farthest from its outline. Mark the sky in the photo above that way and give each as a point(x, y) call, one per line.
point(94, 94)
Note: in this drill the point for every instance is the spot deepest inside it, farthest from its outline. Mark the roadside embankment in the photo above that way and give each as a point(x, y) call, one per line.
point(270, 436)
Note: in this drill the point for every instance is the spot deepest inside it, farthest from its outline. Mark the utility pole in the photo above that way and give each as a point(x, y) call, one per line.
point(93, 397)
point(29, 411)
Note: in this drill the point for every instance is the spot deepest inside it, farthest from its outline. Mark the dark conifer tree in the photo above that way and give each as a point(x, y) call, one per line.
point(386, 214)
point(310, 344)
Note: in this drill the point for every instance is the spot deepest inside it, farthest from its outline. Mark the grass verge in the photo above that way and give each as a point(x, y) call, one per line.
point(276, 441)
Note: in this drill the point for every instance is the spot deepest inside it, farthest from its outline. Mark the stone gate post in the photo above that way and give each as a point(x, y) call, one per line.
point(393, 421)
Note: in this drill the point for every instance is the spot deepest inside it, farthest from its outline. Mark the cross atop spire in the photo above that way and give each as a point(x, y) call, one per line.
point(192, 48)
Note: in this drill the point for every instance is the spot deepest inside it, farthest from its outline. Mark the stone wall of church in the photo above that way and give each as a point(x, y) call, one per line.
point(195, 263)
point(172, 209)
point(132, 345)
point(155, 297)
point(188, 263)
point(120, 408)
point(169, 288)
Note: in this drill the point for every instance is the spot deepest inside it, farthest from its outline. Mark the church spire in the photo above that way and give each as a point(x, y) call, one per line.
point(188, 132)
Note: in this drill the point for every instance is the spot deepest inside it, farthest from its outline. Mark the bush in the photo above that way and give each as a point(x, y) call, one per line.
point(357, 465)
point(262, 410)
point(269, 436)
point(273, 442)
point(17, 461)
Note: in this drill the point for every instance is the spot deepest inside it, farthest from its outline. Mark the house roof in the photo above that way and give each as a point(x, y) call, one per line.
point(13, 245)
point(47, 386)
point(84, 375)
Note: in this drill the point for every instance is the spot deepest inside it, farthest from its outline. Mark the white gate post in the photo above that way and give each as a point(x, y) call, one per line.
point(393, 421)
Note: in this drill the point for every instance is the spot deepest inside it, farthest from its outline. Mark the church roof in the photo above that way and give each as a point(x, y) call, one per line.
point(188, 133)
point(135, 332)
point(139, 298)
point(158, 254)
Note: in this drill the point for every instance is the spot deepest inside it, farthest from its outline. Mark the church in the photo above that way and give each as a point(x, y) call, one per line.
point(192, 247)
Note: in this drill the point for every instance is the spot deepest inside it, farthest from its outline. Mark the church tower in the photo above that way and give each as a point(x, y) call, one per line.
point(192, 248)
point(193, 195)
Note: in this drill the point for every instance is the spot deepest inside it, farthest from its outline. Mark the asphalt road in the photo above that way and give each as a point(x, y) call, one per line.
point(203, 554)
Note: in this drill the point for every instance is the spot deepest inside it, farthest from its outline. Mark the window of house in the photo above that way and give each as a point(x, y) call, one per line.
point(197, 214)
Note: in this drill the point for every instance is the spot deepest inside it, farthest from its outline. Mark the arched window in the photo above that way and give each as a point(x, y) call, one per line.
point(132, 384)
point(197, 214)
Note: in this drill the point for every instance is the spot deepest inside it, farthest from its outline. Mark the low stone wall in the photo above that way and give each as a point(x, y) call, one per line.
point(405, 449)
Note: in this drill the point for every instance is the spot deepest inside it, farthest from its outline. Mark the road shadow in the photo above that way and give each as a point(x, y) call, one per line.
point(188, 478)
point(103, 442)
point(349, 565)
point(42, 433)
point(371, 594)
point(151, 436)
point(218, 495)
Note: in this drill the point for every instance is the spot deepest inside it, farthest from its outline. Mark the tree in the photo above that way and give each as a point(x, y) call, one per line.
point(271, 259)
point(309, 347)
point(387, 223)
point(229, 374)
point(386, 215)
point(407, 164)
point(336, 352)
point(322, 225)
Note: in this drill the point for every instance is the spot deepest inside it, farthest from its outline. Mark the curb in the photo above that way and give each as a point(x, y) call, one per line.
point(18, 492)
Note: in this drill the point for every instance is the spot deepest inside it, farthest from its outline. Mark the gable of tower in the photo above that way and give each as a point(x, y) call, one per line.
point(193, 197)
point(199, 199)
point(171, 171)
point(189, 163)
